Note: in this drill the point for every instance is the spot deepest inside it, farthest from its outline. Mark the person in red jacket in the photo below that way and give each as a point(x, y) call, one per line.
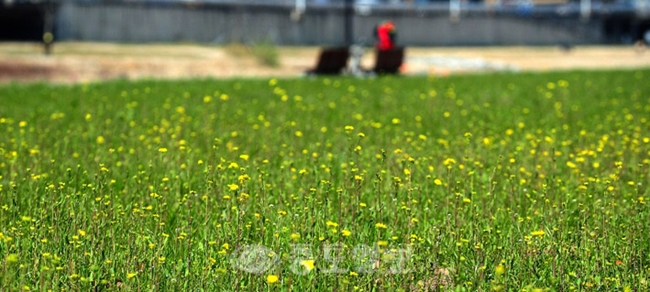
point(386, 35)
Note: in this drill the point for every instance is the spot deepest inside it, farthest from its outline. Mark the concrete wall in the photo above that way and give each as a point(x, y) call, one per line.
point(130, 22)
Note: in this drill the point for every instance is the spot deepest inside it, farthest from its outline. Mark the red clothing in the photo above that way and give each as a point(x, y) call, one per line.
point(386, 34)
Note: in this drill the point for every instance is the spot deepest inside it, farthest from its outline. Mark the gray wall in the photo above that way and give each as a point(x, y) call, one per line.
point(214, 23)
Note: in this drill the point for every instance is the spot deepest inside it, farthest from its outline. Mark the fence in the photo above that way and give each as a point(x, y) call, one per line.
point(428, 25)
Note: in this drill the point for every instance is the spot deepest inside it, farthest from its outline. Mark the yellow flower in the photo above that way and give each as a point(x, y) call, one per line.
point(162, 150)
point(244, 157)
point(437, 181)
point(11, 258)
point(346, 232)
point(272, 279)
point(331, 224)
point(486, 141)
point(295, 236)
point(308, 264)
point(449, 161)
point(100, 140)
point(381, 225)
point(500, 270)
point(233, 187)
point(131, 275)
point(537, 233)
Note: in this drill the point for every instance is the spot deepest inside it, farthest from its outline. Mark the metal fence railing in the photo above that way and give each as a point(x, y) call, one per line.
point(377, 3)
point(527, 7)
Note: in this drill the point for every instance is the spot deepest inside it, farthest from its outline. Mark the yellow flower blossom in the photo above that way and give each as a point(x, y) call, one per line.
point(539, 233)
point(308, 264)
point(500, 270)
point(331, 224)
point(272, 279)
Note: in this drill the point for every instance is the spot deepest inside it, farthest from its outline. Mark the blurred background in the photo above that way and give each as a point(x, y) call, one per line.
point(329, 22)
point(73, 41)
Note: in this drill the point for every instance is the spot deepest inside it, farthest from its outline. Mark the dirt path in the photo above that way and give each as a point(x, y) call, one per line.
point(84, 62)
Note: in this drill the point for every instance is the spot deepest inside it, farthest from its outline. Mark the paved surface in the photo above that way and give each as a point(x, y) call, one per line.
point(86, 62)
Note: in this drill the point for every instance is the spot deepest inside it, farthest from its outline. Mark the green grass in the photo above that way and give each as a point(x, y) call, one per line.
point(505, 182)
point(266, 53)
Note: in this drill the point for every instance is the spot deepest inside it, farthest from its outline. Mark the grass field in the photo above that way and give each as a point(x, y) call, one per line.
point(504, 182)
